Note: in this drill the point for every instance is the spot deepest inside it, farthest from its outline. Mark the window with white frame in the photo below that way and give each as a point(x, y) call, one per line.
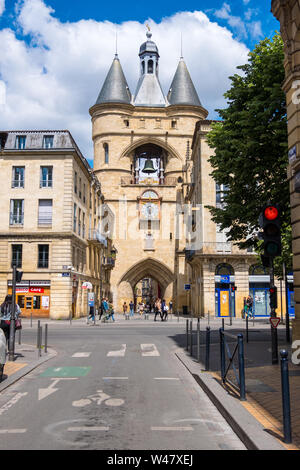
point(18, 177)
point(17, 212)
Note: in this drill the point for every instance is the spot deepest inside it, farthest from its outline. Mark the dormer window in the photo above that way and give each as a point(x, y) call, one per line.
point(48, 141)
point(20, 142)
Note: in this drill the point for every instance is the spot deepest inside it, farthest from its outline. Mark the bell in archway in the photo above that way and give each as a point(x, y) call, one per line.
point(149, 168)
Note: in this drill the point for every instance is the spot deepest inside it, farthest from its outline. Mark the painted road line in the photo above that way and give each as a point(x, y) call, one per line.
point(115, 378)
point(82, 354)
point(88, 428)
point(119, 353)
point(13, 431)
point(172, 428)
point(149, 350)
point(166, 378)
point(12, 402)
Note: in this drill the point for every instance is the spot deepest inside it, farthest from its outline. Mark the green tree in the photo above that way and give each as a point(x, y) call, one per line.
point(250, 147)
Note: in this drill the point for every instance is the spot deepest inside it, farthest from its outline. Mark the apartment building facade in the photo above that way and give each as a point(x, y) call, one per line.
point(50, 224)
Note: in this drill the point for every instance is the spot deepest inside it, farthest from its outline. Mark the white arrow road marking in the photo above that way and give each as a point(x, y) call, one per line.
point(12, 402)
point(149, 350)
point(45, 392)
point(120, 353)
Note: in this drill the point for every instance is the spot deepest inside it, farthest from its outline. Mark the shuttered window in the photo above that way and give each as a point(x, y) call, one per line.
point(45, 212)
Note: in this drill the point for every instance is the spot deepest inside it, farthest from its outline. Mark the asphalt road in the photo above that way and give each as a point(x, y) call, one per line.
point(117, 386)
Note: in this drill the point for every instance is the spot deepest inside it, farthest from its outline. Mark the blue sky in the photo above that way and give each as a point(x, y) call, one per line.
point(55, 53)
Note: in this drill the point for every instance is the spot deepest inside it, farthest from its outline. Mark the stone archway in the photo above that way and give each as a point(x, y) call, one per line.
point(148, 267)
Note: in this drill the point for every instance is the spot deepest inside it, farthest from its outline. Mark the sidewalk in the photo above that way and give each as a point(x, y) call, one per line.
point(263, 380)
point(26, 360)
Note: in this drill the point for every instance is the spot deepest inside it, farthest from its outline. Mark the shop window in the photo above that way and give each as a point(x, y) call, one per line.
point(37, 302)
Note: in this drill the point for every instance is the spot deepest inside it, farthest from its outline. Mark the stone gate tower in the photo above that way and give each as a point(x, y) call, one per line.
point(141, 143)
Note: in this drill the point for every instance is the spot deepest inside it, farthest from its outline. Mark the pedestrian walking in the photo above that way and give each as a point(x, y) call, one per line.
point(111, 311)
point(249, 304)
point(6, 312)
point(171, 307)
point(165, 311)
point(125, 308)
point(131, 308)
point(101, 309)
point(142, 306)
point(91, 314)
point(157, 309)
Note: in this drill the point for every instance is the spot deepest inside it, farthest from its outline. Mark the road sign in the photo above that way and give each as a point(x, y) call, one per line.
point(274, 321)
point(187, 286)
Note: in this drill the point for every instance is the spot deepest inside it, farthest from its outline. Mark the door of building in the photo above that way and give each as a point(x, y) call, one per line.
point(225, 301)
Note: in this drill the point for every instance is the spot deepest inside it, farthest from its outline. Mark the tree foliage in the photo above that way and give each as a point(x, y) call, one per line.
point(250, 146)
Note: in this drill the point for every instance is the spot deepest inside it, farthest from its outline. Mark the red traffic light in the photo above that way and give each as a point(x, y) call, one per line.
point(271, 213)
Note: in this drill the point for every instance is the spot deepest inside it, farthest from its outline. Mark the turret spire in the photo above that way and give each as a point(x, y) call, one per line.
point(115, 88)
point(182, 91)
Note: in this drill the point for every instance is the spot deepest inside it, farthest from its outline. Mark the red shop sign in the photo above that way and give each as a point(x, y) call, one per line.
point(36, 290)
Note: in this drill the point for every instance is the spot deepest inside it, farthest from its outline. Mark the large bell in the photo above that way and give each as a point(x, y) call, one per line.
point(149, 168)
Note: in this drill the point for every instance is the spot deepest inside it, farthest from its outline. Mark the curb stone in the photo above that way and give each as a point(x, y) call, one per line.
point(27, 369)
point(247, 428)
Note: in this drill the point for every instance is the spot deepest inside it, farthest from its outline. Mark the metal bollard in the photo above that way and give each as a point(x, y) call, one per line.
point(46, 338)
point(198, 340)
point(20, 337)
point(247, 328)
point(222, 354)
point(286, 405)
point(223, 324)
point(191, 337)
point(178, 316)
point(187, 335)
point(40, 341)
point(38, 333)
point(241, 367)
point(207, 355)
point(31, 319)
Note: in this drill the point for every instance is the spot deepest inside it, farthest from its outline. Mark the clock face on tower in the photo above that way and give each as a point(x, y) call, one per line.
point(150, 210)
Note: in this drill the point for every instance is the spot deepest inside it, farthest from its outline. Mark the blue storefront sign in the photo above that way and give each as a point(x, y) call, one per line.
point(225, 279)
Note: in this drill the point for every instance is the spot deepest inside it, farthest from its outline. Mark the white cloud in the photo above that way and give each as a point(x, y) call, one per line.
point(2, 6)
point(52, 82)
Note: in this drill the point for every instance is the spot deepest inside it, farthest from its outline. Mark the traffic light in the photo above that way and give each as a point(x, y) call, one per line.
point(233, 288)
point(270, 223)
point(273, 297)
point(19, 275)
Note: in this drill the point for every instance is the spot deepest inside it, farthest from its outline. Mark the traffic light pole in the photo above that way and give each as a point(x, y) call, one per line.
point(11, 343)
point(287, 315)
point(274, 336)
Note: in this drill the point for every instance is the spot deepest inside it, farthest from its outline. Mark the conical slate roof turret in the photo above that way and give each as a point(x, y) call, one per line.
point(182, 91)
point(115, 88)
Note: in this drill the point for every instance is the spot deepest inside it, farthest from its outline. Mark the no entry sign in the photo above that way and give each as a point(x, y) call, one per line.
point(274, 321)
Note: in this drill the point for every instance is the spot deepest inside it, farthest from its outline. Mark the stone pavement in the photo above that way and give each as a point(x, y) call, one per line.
point(263, 380)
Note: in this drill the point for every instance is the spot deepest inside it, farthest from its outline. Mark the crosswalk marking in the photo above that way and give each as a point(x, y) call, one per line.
point(149, 350)
point(166, 378)
point(115, 378)
point(172, 428)
point(82, 354)
point(119, 353)
point(88, 428)
point(13, 431)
